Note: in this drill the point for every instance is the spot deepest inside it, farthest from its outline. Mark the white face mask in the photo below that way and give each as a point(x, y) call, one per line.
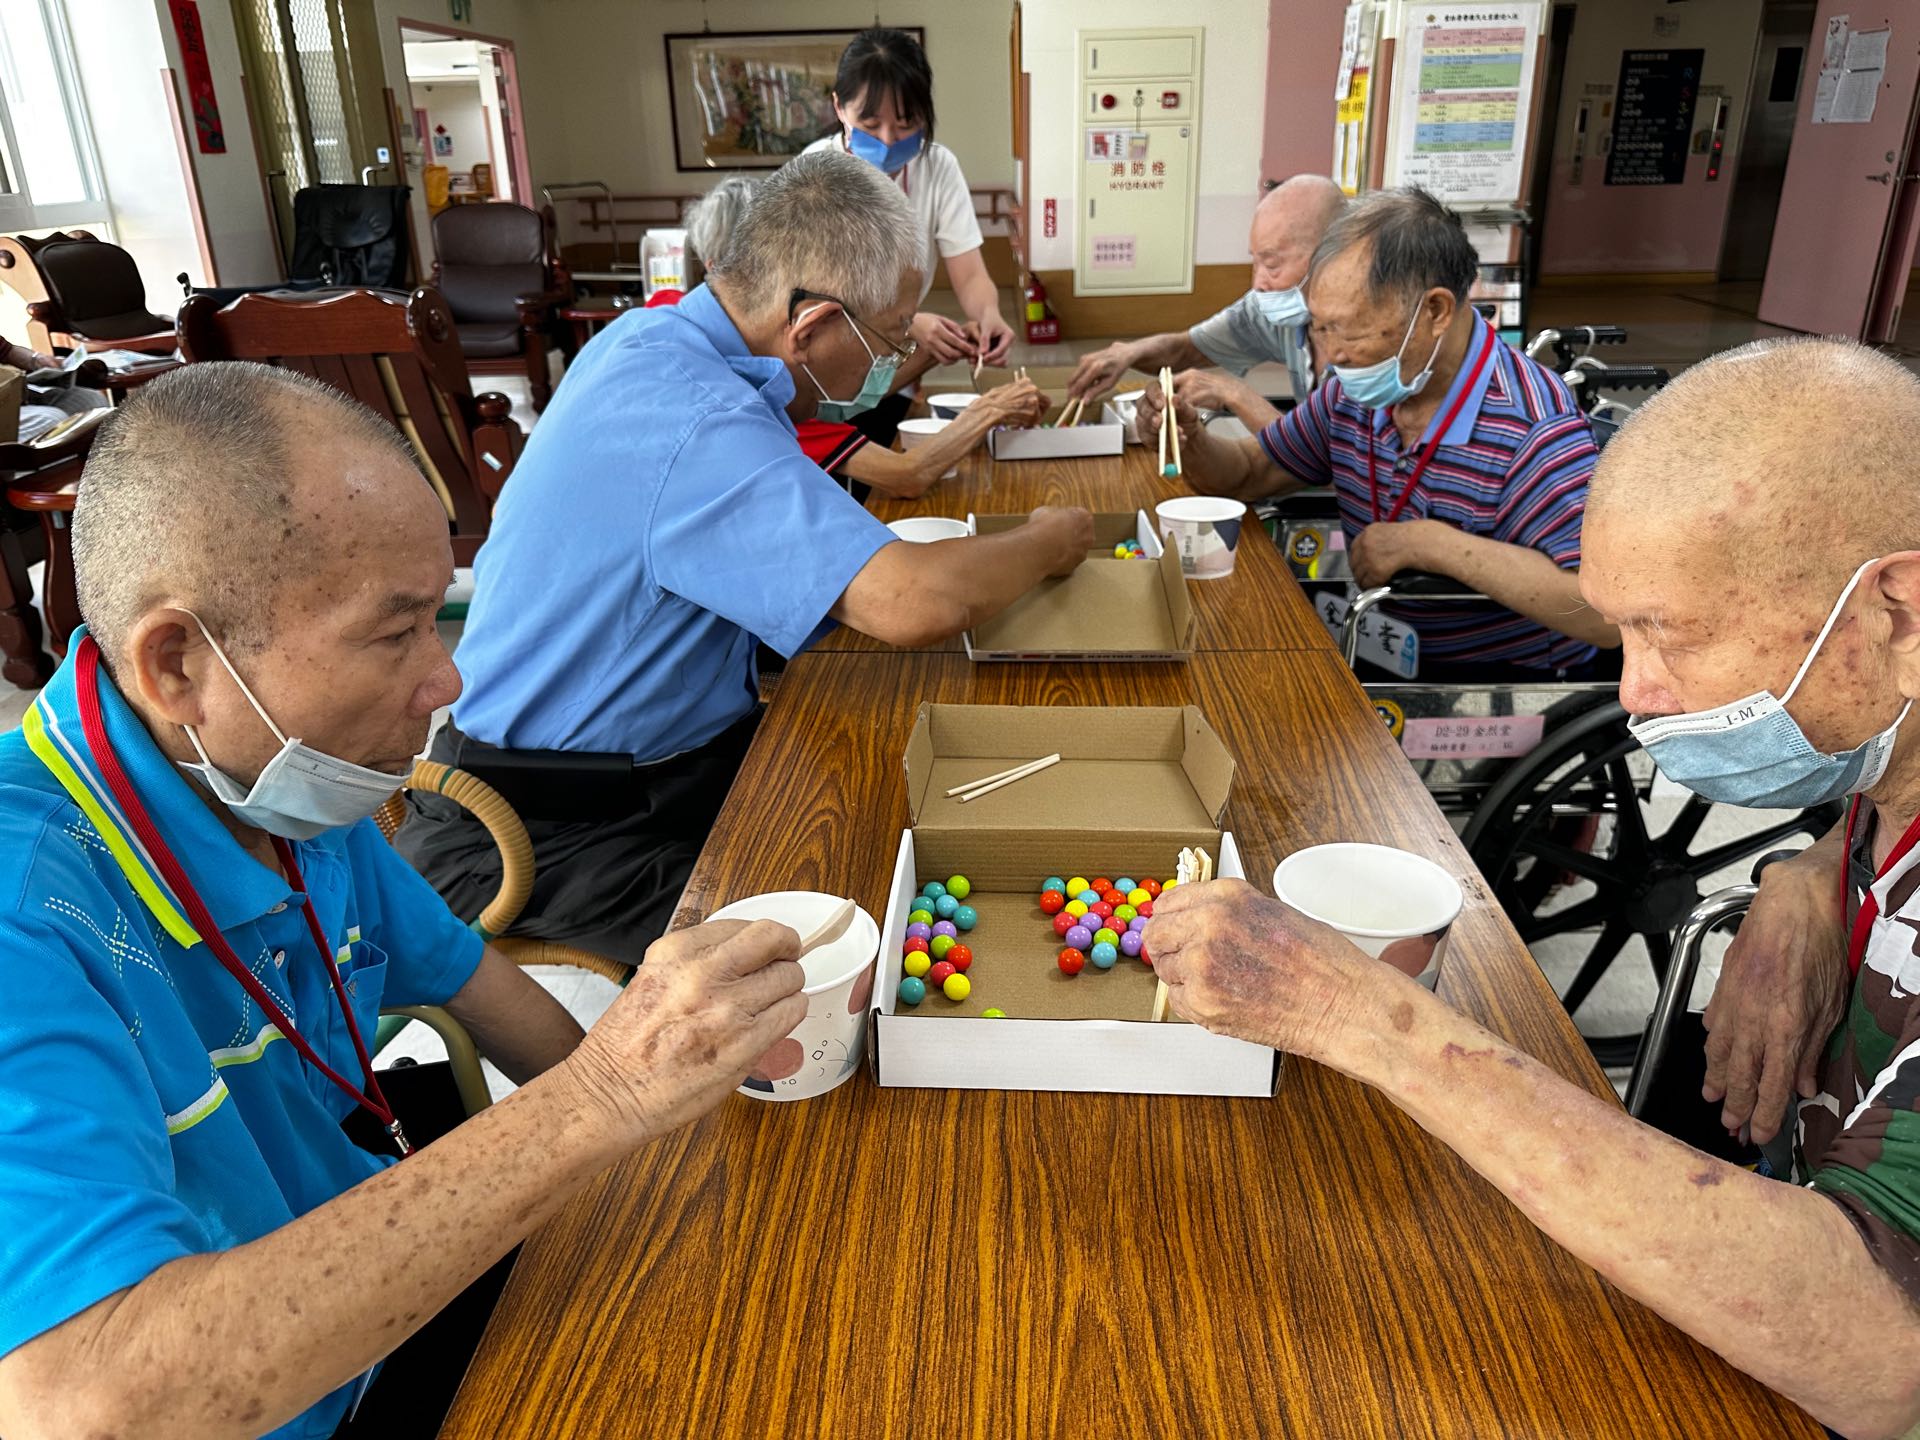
point(301, 791)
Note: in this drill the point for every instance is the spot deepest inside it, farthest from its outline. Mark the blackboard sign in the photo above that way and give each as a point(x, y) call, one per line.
point(1653, 118)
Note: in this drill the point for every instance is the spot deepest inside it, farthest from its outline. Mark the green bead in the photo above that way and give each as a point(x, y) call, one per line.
point(1104, 936)
point(993, 1014)
point(939, 946)
point(1124, 912)
point(921, 916)
point(959, 887)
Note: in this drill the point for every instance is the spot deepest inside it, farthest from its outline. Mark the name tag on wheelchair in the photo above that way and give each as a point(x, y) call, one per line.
point(1389, 643)
point(1496, 737)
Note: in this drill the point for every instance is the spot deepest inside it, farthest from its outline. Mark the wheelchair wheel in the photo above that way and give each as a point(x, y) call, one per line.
point(1568, 843)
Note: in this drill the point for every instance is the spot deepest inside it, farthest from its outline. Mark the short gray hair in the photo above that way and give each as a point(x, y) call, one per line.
point(1418, 244)
point(716, 215)
point(823, 221)
point(187, 492)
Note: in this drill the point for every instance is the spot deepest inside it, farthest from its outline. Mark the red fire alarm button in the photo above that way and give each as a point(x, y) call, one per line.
point(1107, 102)
point(1169, 99)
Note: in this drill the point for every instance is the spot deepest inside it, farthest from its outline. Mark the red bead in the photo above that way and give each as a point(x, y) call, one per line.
point(1102, 909)
point(937, 976)
point(1051, 901)
point(1146, 909)
point(914, 942)
point(1152, 887)
point(1102, 885)
point(960, 957)
point(1072, 961)
point(1145, 958)
point(1062, 923)
point(1113, 897)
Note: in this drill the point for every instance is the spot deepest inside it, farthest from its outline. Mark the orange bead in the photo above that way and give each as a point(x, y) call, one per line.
point(1072, 961)
point(960, 957)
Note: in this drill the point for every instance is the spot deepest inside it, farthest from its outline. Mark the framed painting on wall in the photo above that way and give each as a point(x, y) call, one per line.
point(753, 99)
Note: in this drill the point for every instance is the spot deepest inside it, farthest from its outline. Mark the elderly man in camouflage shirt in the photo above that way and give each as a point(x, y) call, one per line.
point(1760, 562)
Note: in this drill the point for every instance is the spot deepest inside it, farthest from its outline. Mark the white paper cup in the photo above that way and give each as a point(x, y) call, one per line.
point(825, 1048)
point(925, 529)
point(1205, 530)
point(948, 407)
point(915, 433)
point(1396, 906)
point(1123, 407)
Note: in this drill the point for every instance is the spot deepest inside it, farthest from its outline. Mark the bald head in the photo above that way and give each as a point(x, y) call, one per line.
point(1791, 460)
point(219, 486)
point(1287, 225)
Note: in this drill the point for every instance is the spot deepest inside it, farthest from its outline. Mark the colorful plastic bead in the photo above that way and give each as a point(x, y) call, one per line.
point(1120, 552)
point(993, 1014)
point(939, 973)
point(1052, 902)
point(1079, 937)
point(1123, 885)
point(914, 942)
point(1137, 924)
point(1103, 910)
point(933, 890)
point(1054, 882)
point(960, 957)
point(1101, 883)
point(1166, 887)
point(1070, 961)
point(966, 917)
point(1088, 897)
point(1145, 912)
point(1106, 935)
point(1075, 908)
point(940, 945)
point(912, 990)
point(1123, 913)
point(1076, 885)
point(1104, 956)
point(1145, 958)
point(959, 886)
point(921, 916)
point(1138, 896)
point(956, 987)
point(945, 906)
point(1130, 943)
point(1063, 922)
point(916, 963)
point(919, 930)
point(1152, 887)
point(946, 927)
point(1112, 899)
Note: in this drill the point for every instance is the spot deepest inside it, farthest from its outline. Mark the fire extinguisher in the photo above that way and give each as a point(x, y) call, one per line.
point(1043, 326)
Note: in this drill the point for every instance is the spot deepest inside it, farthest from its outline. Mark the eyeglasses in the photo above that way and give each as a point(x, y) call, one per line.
point(905, 352)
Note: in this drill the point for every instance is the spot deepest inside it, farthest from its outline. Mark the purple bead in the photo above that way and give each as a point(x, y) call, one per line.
point(945, 927)
point(1080, 938)
point(919, 931)
point(1137, 924)
point(1130, 943)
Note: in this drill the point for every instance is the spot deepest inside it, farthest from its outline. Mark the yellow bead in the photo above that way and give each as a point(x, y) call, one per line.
point(1168, 886)
point(1076, 908)
point(916, 964)
point(1137, 898)
point(1076, 885)
point(957, 987)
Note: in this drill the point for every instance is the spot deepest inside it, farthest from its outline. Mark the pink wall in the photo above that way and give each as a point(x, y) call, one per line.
point(1303, 60)
point(1596, 228)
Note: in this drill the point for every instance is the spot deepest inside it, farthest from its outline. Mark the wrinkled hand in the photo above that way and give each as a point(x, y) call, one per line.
point(1098, 372)
point(1240, 963)
point(943, 338)
point(990, 341)
point(1782, 990)
point(1208, 389)
point(690, 1025)
point(1146, 417)
point(1070, 530)
point(1018, 402)
point(1383, 550)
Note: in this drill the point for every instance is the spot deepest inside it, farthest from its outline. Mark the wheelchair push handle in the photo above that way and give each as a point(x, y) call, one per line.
point(1406, 585)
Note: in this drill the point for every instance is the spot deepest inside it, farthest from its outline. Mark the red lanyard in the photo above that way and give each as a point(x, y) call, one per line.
point(1870, 904)
point(87, 684)
point(1446, 424)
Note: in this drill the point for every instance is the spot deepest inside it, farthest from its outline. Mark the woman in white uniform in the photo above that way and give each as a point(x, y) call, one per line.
point(883, 94)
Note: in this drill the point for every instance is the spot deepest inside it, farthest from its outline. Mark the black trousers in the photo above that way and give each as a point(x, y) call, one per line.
point(606, 884)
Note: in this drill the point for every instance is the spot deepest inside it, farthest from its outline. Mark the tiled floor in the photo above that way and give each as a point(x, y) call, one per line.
point(1671, 326)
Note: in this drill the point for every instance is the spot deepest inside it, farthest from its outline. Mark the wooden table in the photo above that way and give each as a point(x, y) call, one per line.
point(930, 1263)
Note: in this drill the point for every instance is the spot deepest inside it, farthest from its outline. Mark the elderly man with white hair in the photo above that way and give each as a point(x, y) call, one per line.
point(1765, 671)
point(1268, 324)
point(661, 525)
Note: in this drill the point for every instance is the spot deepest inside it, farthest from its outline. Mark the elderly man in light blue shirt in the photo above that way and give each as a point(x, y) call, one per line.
point(664, 523)
point(1266, 325)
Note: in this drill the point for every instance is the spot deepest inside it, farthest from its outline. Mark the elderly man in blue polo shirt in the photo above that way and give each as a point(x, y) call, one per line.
point(200, 924)
point(1450, 451)
point(661, 526)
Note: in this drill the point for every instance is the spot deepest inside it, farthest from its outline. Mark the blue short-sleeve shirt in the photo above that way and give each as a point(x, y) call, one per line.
point(148, 1110)
point(662, 519)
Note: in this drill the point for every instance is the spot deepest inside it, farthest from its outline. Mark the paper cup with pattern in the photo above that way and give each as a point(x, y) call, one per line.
point(826, 1047)
point(915, 433)
point(1205, 531)
point(1396, 906)
point(948, 407)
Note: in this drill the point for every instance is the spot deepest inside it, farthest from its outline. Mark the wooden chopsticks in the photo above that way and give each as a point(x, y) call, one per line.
point(986, 784)
point(1168, 426)
point(1195, 867)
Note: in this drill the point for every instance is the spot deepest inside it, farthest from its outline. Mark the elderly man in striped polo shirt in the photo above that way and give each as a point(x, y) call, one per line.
point(1448, 450)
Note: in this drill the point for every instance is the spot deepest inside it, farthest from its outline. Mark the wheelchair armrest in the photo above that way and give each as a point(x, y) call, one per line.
point(1419, 584)
point(1711, 913)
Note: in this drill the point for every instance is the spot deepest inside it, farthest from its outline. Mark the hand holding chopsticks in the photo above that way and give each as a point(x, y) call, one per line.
point(1169, 425)
point(1195, 867)
point(986, 784)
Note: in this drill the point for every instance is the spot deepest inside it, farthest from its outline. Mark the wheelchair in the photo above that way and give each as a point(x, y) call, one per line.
point(1553, 798)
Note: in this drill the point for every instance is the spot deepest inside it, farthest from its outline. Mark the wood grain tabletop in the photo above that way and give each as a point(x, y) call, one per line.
point(1258, 607)
point(975, 1263)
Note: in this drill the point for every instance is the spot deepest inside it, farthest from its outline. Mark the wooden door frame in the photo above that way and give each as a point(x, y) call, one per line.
point(520, 170)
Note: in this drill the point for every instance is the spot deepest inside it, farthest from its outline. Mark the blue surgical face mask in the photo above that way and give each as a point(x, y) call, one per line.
point(1379, 385)
point(872, 391)
point(890, 158)
point(1754, 753)
point(1282, 309)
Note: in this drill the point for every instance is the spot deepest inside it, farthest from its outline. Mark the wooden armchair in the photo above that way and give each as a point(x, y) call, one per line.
point(495, 267)
point(82, 293)
point(399, 357)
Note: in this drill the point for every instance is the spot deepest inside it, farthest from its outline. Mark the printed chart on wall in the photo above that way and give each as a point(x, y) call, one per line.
point(1464, 89)
point(1351, 87)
